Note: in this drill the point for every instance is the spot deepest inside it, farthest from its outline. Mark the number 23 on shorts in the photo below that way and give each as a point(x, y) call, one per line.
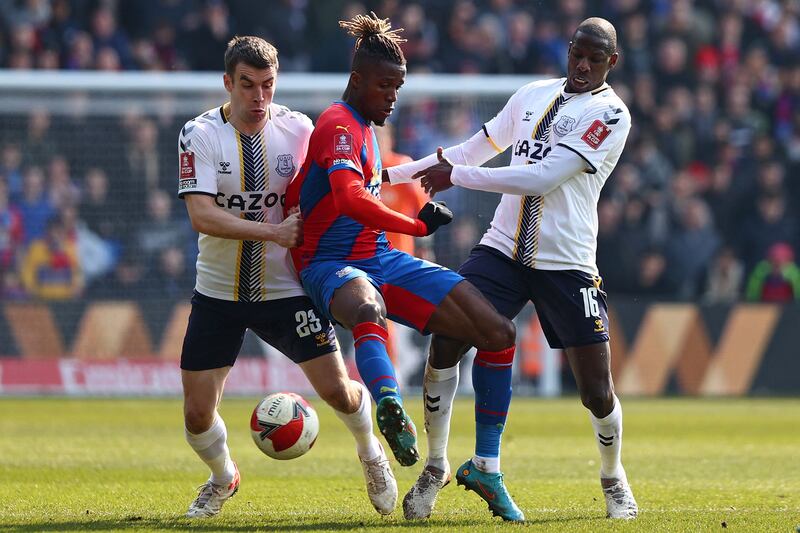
point(307, 323)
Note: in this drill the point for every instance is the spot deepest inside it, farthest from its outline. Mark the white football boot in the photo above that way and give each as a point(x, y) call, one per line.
point(420, 499)
point(619, 499)
point(381, 485)
point(210, 497)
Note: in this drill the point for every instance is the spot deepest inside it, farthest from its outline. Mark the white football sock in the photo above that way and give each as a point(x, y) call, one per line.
point(608, 432)
point(439, 389)
point(360, 425)
point(212, 447)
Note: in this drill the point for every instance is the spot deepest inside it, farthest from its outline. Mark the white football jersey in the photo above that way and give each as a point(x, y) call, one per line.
point(247, 176)
point(556, 231)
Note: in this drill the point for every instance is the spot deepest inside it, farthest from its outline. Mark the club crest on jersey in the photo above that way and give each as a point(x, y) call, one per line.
point(596, 134)
point(285, 166)
point(343, 143)
point(564, 125)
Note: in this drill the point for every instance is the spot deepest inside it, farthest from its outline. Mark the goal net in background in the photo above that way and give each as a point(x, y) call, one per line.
point(90, 164)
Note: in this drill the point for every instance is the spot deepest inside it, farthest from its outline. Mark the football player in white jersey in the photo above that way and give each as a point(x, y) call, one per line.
point(567, 135)
point(235, 164)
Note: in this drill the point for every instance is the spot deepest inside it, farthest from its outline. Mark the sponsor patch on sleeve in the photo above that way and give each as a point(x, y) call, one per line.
point(187, 165)
point(343, 143)
point(596, 134)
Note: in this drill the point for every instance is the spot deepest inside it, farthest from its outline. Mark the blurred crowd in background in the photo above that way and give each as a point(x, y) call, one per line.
point(703, 204)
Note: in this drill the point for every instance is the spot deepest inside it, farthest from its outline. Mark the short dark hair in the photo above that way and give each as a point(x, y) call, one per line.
point(601, 29)
point(251, 50)
point(375, 39)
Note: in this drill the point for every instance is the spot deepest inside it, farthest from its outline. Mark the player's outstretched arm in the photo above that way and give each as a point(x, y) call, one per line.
point(207, 218)
point(560, 165)
point(353, 200)
point(475, 151)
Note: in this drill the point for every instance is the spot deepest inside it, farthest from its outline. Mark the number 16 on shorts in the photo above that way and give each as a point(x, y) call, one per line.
point(590, 305)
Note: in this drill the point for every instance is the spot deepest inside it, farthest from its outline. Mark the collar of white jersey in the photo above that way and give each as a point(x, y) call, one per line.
point(568, 96)
point(225, 114)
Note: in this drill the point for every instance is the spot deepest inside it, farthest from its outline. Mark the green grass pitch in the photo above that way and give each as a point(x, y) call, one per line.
point(122, 465)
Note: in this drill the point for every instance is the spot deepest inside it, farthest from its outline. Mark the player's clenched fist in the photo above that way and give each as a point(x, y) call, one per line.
point(435, 214)
point(289, 233)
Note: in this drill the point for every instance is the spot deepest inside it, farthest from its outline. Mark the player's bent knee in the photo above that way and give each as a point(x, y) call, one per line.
point(339, 398)
point(497, 334)
point(197, 419)
point(369, 311)
point(506, 333)
point(339, 392)
point(599, 401)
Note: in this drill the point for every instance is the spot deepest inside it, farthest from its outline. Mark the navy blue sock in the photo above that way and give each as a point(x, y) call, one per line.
point(491, 379)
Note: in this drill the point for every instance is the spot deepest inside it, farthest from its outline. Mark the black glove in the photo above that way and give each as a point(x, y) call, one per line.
point(435, 214)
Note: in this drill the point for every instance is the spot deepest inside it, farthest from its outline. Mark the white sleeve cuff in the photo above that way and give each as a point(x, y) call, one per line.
point(475, 151)
point(402, 173)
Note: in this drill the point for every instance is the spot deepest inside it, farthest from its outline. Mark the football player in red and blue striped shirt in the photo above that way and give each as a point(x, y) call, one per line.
point(357, 279)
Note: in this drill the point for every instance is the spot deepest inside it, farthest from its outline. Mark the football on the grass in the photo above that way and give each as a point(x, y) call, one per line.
point(284, 425)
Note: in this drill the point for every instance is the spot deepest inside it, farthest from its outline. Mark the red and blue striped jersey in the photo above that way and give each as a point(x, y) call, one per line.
point(342, 140)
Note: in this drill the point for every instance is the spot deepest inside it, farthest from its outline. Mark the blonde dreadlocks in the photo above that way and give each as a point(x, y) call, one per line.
point(375, 39)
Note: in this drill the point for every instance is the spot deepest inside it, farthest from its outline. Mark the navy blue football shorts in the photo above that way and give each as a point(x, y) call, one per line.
point(571, 305)
point(216, 330)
